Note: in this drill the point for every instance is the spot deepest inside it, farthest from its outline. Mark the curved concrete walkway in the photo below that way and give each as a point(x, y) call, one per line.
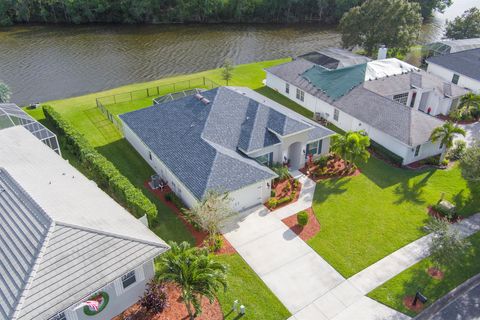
point(303, 281)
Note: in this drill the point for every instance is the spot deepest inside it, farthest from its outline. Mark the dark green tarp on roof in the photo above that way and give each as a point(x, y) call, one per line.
point(336, 83)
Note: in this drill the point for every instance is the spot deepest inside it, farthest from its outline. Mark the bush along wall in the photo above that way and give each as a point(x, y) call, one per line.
point(101, 170)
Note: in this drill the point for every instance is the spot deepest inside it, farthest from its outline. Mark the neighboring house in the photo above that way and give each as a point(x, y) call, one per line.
point(223, 139)
point(389, 99)
point(63, 240)
point(462, 68)
point(12, 115)
point(451, 46)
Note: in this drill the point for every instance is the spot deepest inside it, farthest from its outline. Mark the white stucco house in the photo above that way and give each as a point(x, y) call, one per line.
point(392, 101)
point(63, 241)
point(461, 68)
point(223, 139)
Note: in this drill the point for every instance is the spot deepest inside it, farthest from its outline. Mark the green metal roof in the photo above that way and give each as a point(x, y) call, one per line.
point(336, 83)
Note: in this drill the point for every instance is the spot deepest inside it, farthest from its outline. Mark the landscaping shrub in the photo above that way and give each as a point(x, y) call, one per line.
point(102, 171)
point(154, 299)
point(272, 203)
point(284, 200)
point(387, 154)
point(168, 197)
point(302, 218)
point(432, 161)
point(458, 150)
point(321, 162)
point(273, 193)
point(295, 183)
point(214, 243)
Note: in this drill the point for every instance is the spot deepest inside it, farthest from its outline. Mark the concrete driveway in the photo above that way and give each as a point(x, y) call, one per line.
point(291, 269)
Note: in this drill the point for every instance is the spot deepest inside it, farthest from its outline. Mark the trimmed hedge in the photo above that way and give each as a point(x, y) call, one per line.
point(102, 171)
point(396, 159)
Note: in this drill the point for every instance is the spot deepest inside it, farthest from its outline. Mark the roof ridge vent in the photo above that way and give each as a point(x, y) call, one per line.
point(198, 96)
point(205, 101)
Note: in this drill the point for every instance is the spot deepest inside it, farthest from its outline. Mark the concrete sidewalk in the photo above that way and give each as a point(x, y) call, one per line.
point(304, 201)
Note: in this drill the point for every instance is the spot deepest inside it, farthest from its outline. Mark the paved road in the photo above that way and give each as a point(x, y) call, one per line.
point(462, 303)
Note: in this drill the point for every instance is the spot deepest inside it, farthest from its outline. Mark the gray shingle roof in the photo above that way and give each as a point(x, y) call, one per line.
point(409, 126)
point(403, 82)
point(55, 247)
point(463, 62)
point(204, 145)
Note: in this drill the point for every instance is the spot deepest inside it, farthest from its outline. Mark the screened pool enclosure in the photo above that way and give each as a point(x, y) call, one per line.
point(12, 115)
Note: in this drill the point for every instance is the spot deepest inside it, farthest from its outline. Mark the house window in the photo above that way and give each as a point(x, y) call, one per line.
point(300, 95)
point(412, 102)
point(59, 316)
point(455, 78)
point(314, 148)
point(287, 88)
point(417, 150)
point(128, 279)
point(401, 98)
point(150, 155)
point(441, 145)
point(265, 159)
point(336, 114)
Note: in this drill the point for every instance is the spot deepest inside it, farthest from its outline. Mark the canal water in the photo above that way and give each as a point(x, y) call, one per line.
point(41, 63)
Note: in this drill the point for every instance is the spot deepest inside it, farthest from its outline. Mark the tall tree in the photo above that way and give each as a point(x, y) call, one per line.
point(446, 245)
point(429, 6)
point(394, 23)
point(446, 134)
point(465, 26)
point(209, 212)
point(470, 163)
point(352, 146)
point(469, 105)
point(195, 272)
point(4, 93)
point(227, 70)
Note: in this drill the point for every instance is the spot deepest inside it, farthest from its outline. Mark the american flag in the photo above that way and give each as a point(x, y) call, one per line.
point(92, 304)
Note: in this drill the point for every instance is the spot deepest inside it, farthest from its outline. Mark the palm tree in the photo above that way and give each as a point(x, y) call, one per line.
point(4, 93)
point(445, 134)
point(195, 272)
point(352, 146)
point(469, 103)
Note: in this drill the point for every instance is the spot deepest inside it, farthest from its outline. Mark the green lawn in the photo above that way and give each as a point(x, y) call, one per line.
point(83, 114)
point(367, 217)
point(246, 287)
point(416, 279)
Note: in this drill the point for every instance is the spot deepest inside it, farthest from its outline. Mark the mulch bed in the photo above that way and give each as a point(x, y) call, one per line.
point(307, 232)
point(419, 165)
point(198, 235)
point(408, 303)
point(175, 310)
point(435, 273)
point(447, 118)
point(434, 213)
point(278, 187)
point(336, 165)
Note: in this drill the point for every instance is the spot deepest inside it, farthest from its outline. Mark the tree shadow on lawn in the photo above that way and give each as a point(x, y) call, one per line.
point(330, 187)
point(468, 205)
point(412, 192)
point(385, 175)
